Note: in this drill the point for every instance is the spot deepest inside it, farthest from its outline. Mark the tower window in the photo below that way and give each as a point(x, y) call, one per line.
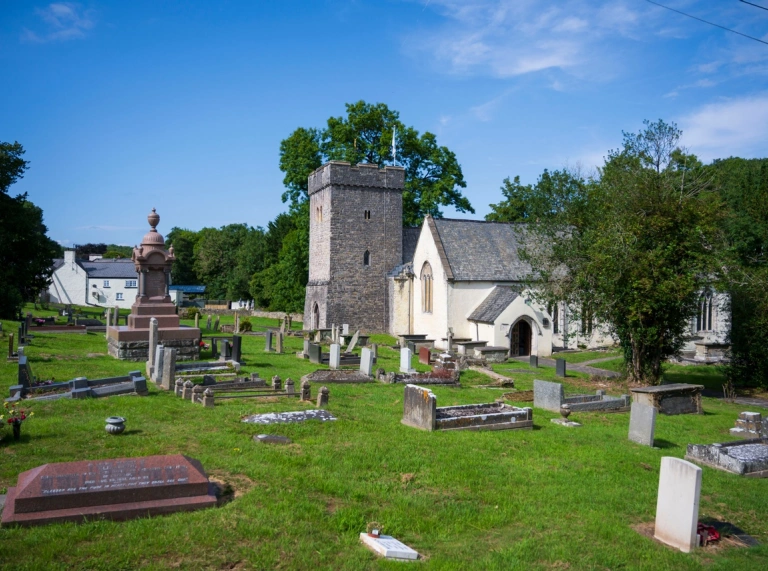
point(319, 214)
point(367, 214)
point(426, 288)
point(367, 258)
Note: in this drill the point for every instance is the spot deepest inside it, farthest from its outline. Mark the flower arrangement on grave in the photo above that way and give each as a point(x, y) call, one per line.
point(40, 322)
point(374, 528)
point(15, 416)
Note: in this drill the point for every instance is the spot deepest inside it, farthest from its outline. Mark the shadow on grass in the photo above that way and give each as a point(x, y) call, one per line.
point(664, 444)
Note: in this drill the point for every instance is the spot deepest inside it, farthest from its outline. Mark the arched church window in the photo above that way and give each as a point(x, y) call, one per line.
point(426, 288)
point(367, 214)
point(704, 317)
point(554, 311)
point(367, 258)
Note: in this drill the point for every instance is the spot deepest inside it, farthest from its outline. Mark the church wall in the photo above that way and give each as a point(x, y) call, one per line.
point(400, 305)
point(320, 235)
point(463, 299)
point(434, 324)
point(541, 342)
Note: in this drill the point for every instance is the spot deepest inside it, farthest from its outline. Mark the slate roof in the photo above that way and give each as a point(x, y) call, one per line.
point(410, 239)
point(492, 306)
point(480, 251)
point(57, 263)
point(117, 269)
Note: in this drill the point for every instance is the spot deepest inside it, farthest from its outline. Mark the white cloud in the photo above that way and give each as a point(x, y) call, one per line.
point(732, 127)
point(64, 21)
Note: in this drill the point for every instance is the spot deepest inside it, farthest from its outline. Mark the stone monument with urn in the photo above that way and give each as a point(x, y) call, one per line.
point(153, 264)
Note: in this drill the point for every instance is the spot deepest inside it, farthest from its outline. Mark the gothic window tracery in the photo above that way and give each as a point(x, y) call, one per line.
point(426, 288)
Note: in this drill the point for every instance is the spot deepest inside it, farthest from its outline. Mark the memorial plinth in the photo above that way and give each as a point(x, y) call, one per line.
point(153, 264)
point(116, 489)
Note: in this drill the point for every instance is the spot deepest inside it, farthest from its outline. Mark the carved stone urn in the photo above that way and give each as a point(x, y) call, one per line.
point(565, 411)
point(115, 425)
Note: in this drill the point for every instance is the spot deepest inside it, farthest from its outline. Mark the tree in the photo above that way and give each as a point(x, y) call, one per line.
point(433, 176)
point(183, 242)
point(551, 194)
point(26, 253)
point(635, 246)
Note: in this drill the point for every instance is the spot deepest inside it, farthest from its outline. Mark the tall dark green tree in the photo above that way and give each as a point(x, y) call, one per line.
point(636, 246)
point(433, 176)
point(26, 253)
point(183, 242)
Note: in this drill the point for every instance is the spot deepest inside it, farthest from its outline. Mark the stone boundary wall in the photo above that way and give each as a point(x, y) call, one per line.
point(247, 313)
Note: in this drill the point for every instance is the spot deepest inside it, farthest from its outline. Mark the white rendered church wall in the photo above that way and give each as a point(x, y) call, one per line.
point(434, 323)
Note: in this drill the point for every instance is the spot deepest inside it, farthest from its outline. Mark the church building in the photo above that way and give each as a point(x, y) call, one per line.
point(367, 270)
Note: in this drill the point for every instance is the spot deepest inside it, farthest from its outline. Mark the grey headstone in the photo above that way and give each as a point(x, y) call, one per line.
point(366, 361)
point(335, 358)
point(375, 350)
point(216, 323)
point(277, 384)
point(322, 397)
point(237, 348)
point(268, 340)
point(419, 407)
point(289, 387)
point(168, 379)
point(306, 391)
point(140, 385)
point(534, 361)
point(353, 342)
point(306, 348)
point(642, 423)
point(208, 323)
point(280, 342)
point(549, 396)
point(560, 367)
point(315, 353)
point(157, 371)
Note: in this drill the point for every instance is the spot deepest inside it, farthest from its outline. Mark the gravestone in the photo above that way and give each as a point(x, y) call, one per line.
point(226, 349)
point(534, 361)
point(237, 322)
point(305, 351)
point(642, 423)
point(560, 367)
point(197, 394)
point(677, 506)
point(208, 323)
point(546, 395)
point(345, 328)
point(116, 489)
point(375, 350)
point(154, 339)
point(186, 392)
point(419, 407)
point(322, 397)
point(109, 319)
point(208, 398)
point(237, 348)
point(450, 339)
point(388, 547)
point(216, 323)
point(10, 346)
point(214, 348)
point(157, 372)
point(306, 391)
point(279, 342)
point(335, 357)
point(424, 355)
point(179, 387)
point(289, 387)
point(353, 342)
point(276, 383)
point(257, 381)
point(271, 439)
point(405, 360)
point(268, 341)
point(168, 379)
point(366, 361)
point(315, 353)
point(197, 321)
point(117, 316)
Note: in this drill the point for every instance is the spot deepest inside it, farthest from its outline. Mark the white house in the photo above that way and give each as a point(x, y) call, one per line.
point(98, 282)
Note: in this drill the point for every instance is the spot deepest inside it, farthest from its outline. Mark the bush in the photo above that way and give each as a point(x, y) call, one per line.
point(190, 312)
point(245, 325)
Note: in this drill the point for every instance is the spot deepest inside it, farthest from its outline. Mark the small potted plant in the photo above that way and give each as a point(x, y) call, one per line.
point(15, 416)
point(374, 529)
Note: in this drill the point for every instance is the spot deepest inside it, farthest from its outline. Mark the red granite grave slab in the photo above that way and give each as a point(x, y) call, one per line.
point(120, 488)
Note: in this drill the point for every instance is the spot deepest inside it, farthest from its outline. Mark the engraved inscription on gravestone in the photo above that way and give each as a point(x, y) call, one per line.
point(155, 284)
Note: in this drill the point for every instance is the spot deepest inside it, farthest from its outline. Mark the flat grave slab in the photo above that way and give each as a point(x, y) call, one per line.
point(287, 417)
point(677, 398)
point(565, 422)
point(388, 547)
point(337, 376)
point(116, 489)
point(743, 457)
point(271, 439)
point(551, 396)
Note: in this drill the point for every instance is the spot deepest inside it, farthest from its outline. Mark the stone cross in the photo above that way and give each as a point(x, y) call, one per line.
point(405, 360)
point(186, 392)
point(353, 342)
point(168, 379)
point(153, 340)
point(289, 388)
point(157, 372)
point(197, 393)
point(322, 397)
point(197, 321)
point(335, 356)
point(677, 506)
point(208, 398)
point(179, 387)
point(276, 383)
point(280, 342)
point(268, 340)
point(366, 361)
point(642, 423)
point(306, 391)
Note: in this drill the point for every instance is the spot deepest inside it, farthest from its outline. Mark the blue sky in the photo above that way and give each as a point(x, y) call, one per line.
point(125, 106)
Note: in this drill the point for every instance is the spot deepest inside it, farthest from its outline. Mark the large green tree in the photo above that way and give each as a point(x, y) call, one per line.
point(433, 176)
point(26, 253)
point(635, 246)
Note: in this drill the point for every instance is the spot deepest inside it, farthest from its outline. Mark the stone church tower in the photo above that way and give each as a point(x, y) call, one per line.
point(355, 240)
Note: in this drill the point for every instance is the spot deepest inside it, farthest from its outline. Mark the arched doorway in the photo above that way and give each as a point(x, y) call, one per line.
point(520, 339)
point(316, 317)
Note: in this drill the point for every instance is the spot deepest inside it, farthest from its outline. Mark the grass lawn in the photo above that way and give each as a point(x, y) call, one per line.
point(549, 498)
point(581, 356)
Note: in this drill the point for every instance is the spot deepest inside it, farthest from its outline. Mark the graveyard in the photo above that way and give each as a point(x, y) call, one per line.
point(546, 497)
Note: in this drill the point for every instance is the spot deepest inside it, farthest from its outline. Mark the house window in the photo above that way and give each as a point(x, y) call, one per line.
point(426, 288)
point(119, 296)
point(367, 214)
point(367, 258)
point(130, 283)
point(106, 283)
point(704, 317)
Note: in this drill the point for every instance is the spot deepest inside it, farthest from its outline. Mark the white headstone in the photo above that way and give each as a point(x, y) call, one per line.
point(642, 423)
point(157, 372)
point(335, 358)
point(345, 328)
point(153, 340)
point(405, 360)
point(388, 546)
point(677, 506)
point(366, 361)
